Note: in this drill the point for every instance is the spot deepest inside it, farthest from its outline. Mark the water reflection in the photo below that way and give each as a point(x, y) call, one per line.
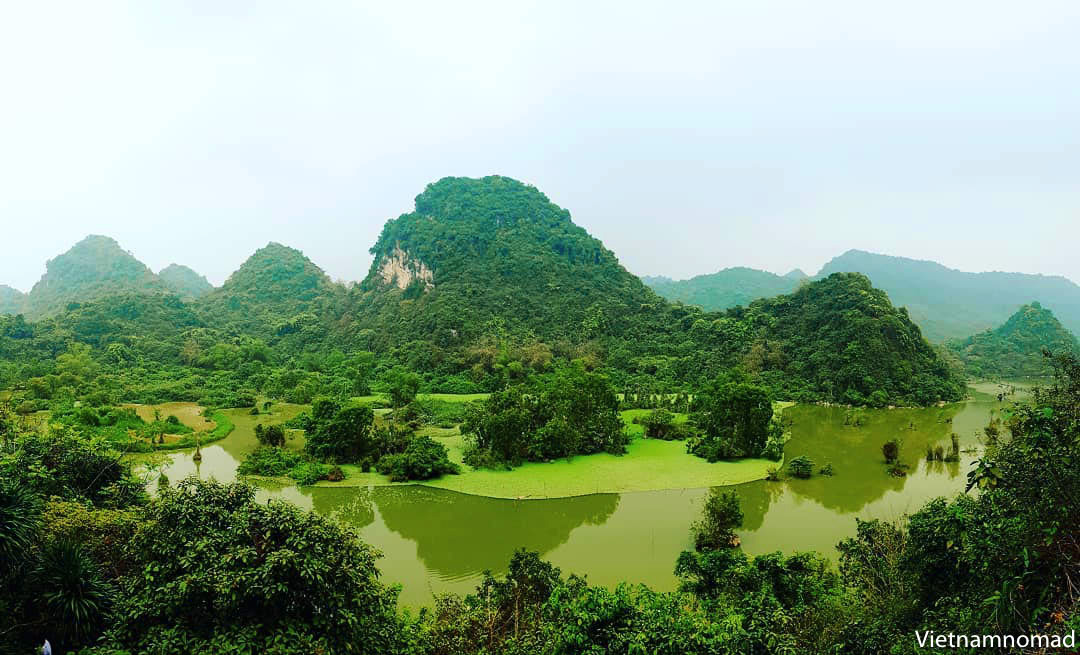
point(828, 435)
point(458, 535)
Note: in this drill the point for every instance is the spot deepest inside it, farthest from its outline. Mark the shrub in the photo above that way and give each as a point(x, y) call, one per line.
point(308, 473)
point(270, 435)
point(659, 424)
point(268, 461)
point(774, 448)
point(891, 451)
point(801, 467)
point(423, 459)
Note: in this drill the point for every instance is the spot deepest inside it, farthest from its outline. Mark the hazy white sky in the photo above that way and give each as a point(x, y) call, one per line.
point(688, 136)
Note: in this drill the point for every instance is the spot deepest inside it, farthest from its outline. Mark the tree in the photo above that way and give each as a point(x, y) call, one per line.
point(423, 459)
point(402, 385)
point(734, 416)
point(720, 515)
point(346, 436)
point(270, 435)
point(499, 422)
point(267, 575)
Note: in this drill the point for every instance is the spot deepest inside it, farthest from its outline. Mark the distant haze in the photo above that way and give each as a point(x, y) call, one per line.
point(689, 137)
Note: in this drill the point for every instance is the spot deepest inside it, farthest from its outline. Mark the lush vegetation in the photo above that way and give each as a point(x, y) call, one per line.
point(842, 340)
point(1015, 349)
point(570, 412)
point(486, 284)
point(11, 300)
point(88, 560)
point(95, 267)
point(735, 419)
point(730, 287)
point(275, 461)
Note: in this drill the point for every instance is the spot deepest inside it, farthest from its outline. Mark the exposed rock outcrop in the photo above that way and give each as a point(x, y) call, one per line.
point(400, 269)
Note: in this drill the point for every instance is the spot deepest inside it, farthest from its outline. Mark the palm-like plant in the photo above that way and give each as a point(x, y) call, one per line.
point(76, 596)
point(19, 512)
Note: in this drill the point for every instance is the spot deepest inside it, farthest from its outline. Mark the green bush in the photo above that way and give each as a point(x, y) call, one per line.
point(423, 459)
point(801, 467)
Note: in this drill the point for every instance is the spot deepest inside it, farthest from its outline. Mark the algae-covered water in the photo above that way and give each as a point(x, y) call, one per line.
point(434, 540)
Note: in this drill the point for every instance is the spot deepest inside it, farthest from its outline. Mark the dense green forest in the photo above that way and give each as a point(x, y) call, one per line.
point(727, 288)
point(485, 284)
point(1015, 348)
point(96, 266)
point(950, 304)
point(87, 557)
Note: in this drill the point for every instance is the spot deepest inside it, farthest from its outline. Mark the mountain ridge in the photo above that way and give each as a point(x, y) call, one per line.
point(1015, 348)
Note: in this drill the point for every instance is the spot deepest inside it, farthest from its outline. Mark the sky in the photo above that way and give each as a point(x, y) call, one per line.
point(688, 136)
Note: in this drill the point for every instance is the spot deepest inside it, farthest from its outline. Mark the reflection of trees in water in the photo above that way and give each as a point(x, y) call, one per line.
point(755, 499)
point(458, 534)
point(351, 506)
point(861, 476)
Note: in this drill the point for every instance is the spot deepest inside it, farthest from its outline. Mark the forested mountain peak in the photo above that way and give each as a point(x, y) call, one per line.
point(796, 274)
point(844, 325)
point(276, 289)
point(460, 222)
point(92, 268)
point(11, 300)
point(726, 288)
point(477, 249)
point(276, 271)
point(1015, 348)
point(184, 282)
point(951, 304)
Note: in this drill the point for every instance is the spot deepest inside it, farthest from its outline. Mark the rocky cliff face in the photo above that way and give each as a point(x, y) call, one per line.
point(400, 269)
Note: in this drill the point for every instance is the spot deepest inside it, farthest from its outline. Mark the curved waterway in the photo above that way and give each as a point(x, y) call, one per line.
point(434, 541)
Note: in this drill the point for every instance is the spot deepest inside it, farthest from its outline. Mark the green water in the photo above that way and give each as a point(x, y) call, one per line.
point(435, 541)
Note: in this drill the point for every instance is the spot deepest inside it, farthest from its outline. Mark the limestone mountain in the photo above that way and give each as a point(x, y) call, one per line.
point(952, 304)
point(1015, 348)
point(95, 267)
point(841, 339)
point(493, 249)
point(726, 288)
point(272, 292)
point(184, 282)
point(11, 300)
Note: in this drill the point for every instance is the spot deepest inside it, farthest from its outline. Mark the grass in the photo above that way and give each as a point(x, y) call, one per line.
point(207, 430)
point(222, 428)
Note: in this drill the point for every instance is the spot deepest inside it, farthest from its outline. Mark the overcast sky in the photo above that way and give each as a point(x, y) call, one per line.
point(689, 137)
